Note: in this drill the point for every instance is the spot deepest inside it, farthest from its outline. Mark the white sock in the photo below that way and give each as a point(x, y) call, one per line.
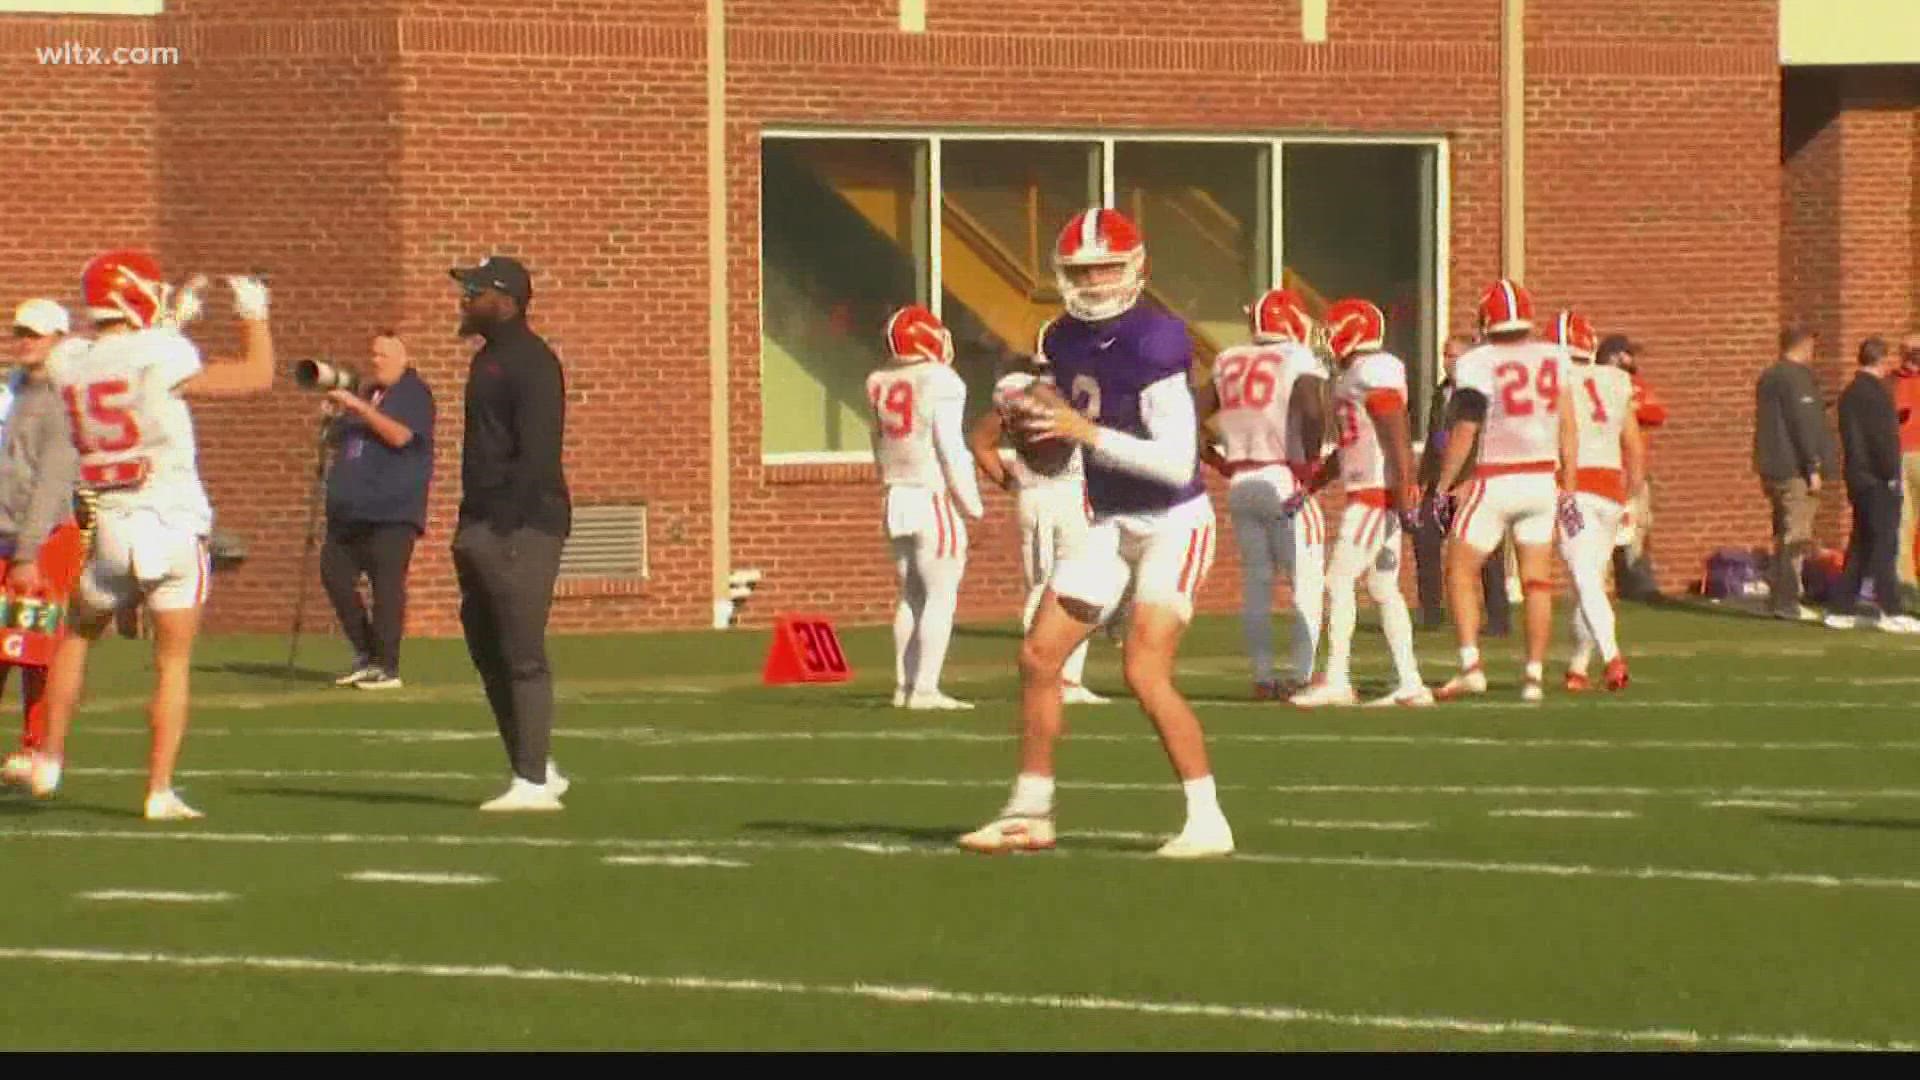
point(1534, 672)
point(1032, 796)
point(1397, 623)
point(1202, 801)
point(1469, 657)
point(1341, 615)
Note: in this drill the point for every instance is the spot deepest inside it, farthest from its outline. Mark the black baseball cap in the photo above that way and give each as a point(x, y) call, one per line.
point(1614, 345)
point(497, 272)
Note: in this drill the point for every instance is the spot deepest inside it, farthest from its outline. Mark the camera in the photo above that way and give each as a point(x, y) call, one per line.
point(322, 376)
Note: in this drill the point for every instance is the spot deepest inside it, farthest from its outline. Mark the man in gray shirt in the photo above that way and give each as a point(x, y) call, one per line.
point(38, 468)
point(1792, 452)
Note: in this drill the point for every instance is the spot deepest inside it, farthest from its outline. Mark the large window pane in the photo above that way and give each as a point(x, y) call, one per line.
point(1359, 221)
point(843, 236)
point(1203, 208)
point(1002, 203)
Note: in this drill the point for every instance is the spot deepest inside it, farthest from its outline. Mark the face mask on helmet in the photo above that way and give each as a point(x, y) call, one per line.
point(1104, 290)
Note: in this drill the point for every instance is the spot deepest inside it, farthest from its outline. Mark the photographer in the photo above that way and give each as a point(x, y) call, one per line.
point(376, 502)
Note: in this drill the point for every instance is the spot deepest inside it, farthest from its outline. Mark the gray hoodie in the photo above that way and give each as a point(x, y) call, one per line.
point(38, 467)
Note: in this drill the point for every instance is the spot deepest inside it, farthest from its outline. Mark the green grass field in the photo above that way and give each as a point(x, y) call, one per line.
point(1725, 857)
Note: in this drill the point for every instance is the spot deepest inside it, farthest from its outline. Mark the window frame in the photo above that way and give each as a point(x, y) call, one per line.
point(1275, 145)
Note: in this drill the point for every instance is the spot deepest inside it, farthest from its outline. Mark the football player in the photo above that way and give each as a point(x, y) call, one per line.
point(1121, 369)
point(1514, 396)
point(1375, 457)
point(127, 395)
point(1612, 461)
point(1052, 506)
point(919, 442)
point(1267, 398)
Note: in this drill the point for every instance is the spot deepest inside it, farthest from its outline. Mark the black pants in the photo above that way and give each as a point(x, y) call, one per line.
point(1872, 549)
point(506, 589)
point(382, 552)
point(1430, 568)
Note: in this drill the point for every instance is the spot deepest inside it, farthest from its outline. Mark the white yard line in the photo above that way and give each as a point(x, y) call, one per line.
point(416, 877)
point(1367, 862)
point(1360, 826)
point(672, 860)
point(157, 896)
point(1559, 813)
point(933, 995)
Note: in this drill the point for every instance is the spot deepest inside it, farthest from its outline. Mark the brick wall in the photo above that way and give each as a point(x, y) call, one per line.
point(361, 154)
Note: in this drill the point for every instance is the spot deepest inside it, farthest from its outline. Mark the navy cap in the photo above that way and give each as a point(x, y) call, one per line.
point(497, 272)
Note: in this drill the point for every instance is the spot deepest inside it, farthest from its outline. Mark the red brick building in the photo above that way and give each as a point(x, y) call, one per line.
point(1677, 183)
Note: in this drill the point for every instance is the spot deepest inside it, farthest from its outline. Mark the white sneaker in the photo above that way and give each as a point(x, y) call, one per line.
point(1531, 691)
point(44, 777)
point(1838, 622)
point(556, 783)
point(1900, 624)
point(1075, 694)
point(1012, 833)
point(1467, 682)
point(1414, 697)
point(17, 769)
point(166, 806)
point(523, 796)
point(378, 679)
point(899, 698)
point(1200, 840)
point(934, 700)
point(1326, 693)
point(359, 674)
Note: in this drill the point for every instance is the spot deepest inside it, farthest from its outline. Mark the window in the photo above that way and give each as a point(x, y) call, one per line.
point(843, 242)
point(854, 226)
point(1203, 210)
point(1359, 221)
point(1001, 205)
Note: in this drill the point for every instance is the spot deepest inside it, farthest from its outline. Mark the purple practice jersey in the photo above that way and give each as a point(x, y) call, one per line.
point(1102, 367)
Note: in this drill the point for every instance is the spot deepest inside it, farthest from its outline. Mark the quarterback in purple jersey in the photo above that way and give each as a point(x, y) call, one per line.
point(1124, 368)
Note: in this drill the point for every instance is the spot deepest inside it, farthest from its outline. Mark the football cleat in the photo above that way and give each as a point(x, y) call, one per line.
point(166, 806)
point(935, 701)
point(1009, 834)
point(1075, 694)
point(1326, 694)
point(1616, 676)
point(522, 796)
point(1471, 681)
point(1205, 840)
point(1531, 691)
point(1412, 697)
point(1576, 682)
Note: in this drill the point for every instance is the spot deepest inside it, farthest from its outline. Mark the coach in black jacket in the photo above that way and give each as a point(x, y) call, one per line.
point(515, 514)
point(1870, 445)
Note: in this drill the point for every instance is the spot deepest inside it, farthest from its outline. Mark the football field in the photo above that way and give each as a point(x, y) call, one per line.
point(1726, 856)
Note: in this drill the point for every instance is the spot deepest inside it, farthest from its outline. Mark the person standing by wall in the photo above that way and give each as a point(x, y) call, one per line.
point(1430, 536)
point(515, 514)
point(1792, 453)
point(1906, 400)
point(377, 507)
point(1870, 442)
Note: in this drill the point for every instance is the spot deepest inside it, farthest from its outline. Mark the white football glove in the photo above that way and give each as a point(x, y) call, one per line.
point(181, 306)
point(249, 297)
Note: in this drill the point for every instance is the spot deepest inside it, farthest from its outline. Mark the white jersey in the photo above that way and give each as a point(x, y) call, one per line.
point(132, 428)
point(1255, 386)
point(1377, 379)
point(1602, 400)
point(1522, 384)
point(918, 439)
point(1074, 475)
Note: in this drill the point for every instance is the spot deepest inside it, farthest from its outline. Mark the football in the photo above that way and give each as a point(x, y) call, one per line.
point(1047, 455)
